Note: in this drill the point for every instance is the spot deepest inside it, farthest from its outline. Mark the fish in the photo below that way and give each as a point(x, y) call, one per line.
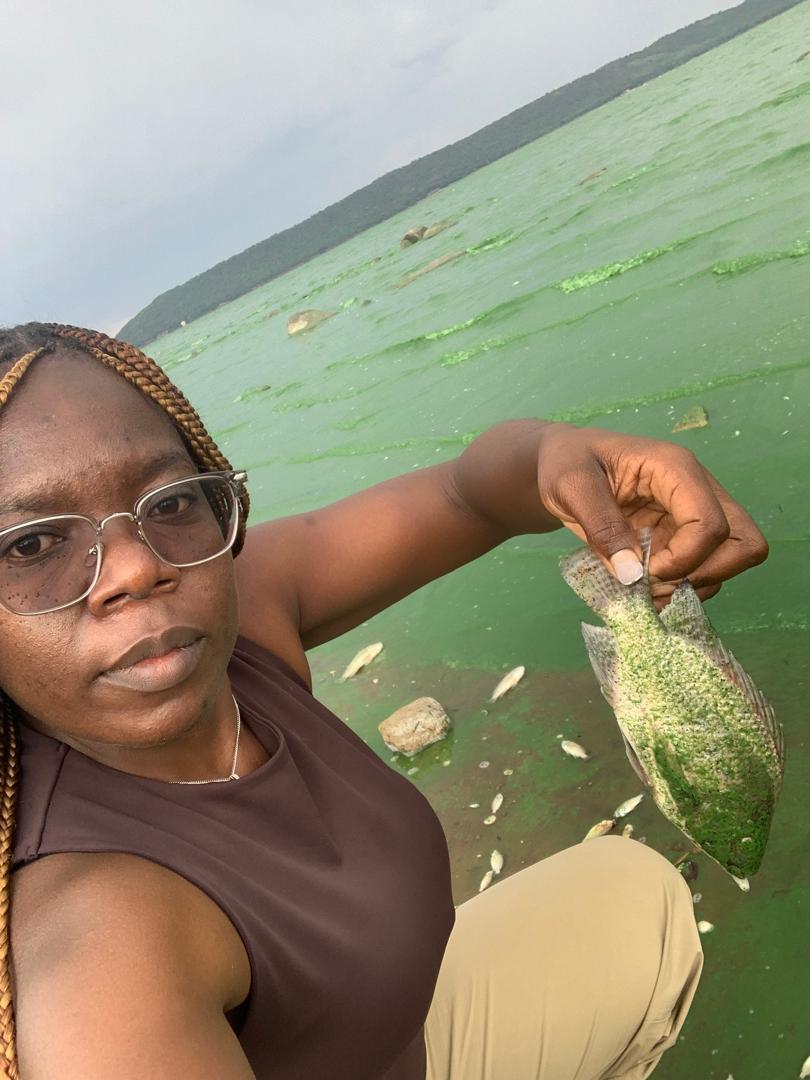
point(600, 829)
point(697, 732)
point(507, 682)
point(496, 861)
point(629, 804)
point(497, 803)
point(628, 830)
point(573, 749)
point(365, 656)
point(805, 1070)
point(485, 880)
point(489, 820)
point(705, 927)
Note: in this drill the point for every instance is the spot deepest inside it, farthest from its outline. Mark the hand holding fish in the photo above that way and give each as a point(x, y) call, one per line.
point(605, 487)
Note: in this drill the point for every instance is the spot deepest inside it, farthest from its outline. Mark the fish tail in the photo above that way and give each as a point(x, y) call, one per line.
point(587, 575)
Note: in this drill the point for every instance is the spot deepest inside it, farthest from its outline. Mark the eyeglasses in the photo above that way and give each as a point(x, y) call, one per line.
point(52, 562)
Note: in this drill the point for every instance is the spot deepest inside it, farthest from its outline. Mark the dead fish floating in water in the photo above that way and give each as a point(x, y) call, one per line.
point(365, 656)
point(497, 803)
point(628, 830)
point(486, 880)
point(806, 1067)
point(629, 804)
point(496, 861)
point(602, 828)
point(507, 682)
point(573, 749)
point(705, 927)
point(698, 733)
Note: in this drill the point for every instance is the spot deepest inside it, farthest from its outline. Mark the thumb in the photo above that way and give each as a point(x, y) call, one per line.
point(589, 500)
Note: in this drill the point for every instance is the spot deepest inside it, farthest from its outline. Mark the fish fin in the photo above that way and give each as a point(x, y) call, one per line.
point(603, 654)
point(685, 615)
point(633, 758)
point(590, 579)
point(645, 540)
point(731, 668)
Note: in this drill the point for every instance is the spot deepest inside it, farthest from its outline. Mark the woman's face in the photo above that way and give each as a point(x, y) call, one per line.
point(77, 426)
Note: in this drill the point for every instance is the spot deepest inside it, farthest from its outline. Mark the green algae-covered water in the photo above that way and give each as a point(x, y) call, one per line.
point(651, 256)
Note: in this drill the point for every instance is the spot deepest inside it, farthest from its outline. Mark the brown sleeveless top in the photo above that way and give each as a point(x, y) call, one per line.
point(332, 867)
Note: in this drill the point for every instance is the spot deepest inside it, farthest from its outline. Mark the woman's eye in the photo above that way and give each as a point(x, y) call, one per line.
point(171, 505)
point(28, 547)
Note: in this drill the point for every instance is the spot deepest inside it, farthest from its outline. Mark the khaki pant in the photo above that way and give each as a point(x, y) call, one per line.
point(580, 967)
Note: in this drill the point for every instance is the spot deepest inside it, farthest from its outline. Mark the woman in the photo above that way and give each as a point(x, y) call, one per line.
point(211, 875)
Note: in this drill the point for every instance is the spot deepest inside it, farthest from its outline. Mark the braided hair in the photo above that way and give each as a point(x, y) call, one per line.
point(20, 347)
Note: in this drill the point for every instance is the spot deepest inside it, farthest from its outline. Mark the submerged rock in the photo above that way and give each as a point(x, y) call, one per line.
point(697, 417)
point(413, 235)
point(440, 226)
point(415, 726)
point(306, 320)
point(434, 264)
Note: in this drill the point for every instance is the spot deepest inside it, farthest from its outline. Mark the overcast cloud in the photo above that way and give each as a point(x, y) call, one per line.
point(144, 142)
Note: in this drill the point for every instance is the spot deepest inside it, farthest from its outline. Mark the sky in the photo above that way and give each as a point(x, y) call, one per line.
point(144, 142)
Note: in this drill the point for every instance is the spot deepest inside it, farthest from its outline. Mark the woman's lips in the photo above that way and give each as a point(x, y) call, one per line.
point(158, 672)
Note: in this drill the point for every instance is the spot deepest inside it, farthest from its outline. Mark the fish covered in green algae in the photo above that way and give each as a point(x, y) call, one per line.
point(698, 733)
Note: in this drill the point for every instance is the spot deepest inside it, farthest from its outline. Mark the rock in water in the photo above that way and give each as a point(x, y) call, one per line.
point(507, 682)
point(434, 264)
point(415, 726)
point(698, 733)
point(365, 656)
point(697, 417)
point(413, 235)
point(306, 320)
point(440, 226)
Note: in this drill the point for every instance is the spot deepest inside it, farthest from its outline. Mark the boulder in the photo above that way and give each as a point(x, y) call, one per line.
point(413, 235)
point(306, 320)
point(440, 226)
point(415, 726)
point(434, 264)
point(697, 417)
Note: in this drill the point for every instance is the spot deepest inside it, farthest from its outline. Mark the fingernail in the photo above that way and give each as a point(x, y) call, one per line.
point(628, 568)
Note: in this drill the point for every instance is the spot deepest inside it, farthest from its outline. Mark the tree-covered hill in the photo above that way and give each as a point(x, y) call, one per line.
point(401, 188)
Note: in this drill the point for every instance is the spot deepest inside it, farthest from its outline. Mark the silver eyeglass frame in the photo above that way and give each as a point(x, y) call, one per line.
point(236, 478)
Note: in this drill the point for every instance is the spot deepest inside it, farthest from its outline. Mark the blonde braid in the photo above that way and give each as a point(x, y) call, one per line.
point(141, 371)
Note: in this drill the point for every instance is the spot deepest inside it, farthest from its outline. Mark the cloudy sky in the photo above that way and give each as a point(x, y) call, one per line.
point(144, 142)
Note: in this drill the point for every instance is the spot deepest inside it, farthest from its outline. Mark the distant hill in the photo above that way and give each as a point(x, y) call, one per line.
point(405, 186)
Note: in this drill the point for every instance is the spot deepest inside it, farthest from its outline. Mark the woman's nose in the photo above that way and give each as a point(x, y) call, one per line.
point(129, 567)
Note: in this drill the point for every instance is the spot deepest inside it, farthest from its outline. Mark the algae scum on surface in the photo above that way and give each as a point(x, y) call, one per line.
point(697, 731)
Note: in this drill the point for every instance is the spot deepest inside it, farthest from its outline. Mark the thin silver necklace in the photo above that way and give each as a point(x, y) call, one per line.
point(234, 774)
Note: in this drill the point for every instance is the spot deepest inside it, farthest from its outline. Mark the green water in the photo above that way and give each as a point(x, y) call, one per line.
point(678, 276)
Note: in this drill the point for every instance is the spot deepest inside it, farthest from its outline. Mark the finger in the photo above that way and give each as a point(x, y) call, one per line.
point(681, 485)
point(745, 546)
point(585, 494)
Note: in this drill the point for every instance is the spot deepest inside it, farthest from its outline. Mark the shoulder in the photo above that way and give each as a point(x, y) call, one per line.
point(114, 965)
point(127, 904)
point(268, 599)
